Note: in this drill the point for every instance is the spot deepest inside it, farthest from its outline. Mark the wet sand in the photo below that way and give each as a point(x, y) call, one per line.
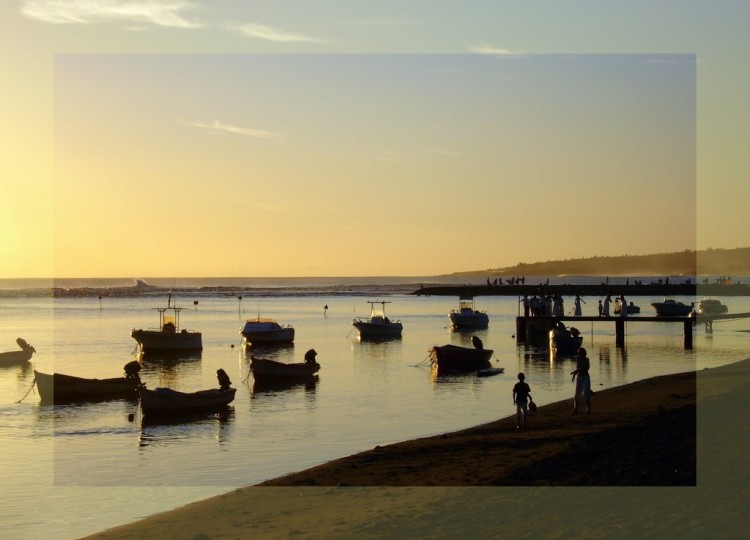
point(632, 467)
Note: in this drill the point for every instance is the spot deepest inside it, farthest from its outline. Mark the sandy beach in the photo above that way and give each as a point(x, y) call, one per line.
point(664, 457)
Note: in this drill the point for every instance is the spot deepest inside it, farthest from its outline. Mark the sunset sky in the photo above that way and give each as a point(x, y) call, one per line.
point(293, 138)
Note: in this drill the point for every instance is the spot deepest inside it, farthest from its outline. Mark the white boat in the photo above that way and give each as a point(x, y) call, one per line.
point(266, 331)
point(12, 358)
point(377, 325)
point(711, 306)
point(671, 307)
point(467, 316)
point(168, 337)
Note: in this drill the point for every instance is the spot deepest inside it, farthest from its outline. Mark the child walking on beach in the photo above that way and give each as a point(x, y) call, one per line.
point(521, 397)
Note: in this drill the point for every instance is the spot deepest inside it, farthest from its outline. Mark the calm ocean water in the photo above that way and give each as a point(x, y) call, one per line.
point(79, 469)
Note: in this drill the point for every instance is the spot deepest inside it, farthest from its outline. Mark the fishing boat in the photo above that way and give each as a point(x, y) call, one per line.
point(266, 331)
point(271, 370)
point(168, 337)
point(455, 359)
point(12, 358)
point(711, 306)
point(166, 402)
point(467, 316)
point(377, 325)
point(60, 388)
point(671, 307)
point(564, 341)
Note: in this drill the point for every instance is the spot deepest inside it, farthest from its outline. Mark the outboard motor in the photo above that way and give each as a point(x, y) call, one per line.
point(477, 342)
point(224, 381)
point(132, 369)
point(310, 356)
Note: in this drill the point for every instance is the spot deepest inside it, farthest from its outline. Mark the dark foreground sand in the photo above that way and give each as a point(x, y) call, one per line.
point(633, 468)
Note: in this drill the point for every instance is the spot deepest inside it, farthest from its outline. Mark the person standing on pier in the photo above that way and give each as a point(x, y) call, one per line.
point(607, 302)
point(525, 302)
point(623, 306)
point(577, 311)
point(583, 380)
point(601, 308)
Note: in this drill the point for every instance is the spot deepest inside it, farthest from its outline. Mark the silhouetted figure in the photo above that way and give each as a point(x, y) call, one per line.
point(583, 380)
point(224, 381)
point(521, 397)
point(310, 356)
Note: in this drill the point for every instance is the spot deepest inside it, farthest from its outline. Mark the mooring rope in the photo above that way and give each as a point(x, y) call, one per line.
point(28, 391)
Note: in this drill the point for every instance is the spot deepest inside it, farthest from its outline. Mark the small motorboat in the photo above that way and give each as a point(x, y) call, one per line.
point(165, 401)
point(266, 331)
point(168, 337)
point(270, 370)
point(711, 306)
point(564, 341)
point(378, 325)
point(12, 358)
point(632, 308)
point(671, 308)
point(59, 388)
point(455, 359)
point(467, 316)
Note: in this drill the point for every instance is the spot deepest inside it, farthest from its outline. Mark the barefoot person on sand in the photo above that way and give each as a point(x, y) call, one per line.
point(583, 384)
point(521, 397)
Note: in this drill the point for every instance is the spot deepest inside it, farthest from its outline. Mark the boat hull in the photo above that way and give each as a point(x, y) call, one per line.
point(12, 358)
point(59, 388)
point(155, 341)
point(163, 401)
point(712, 307)
point(269, 370)
point(455, 359)
point(672, 309)
point(469, 320)
point(378, 329)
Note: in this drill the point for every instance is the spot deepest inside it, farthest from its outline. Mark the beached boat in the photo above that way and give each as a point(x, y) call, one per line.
point(671, 307)
point(271, 370)
point(632, 308)
point(12, 358)
point(59, 388)
point(266, 331)
point(165, 401)
point(168, 337)
point(377, 325)
point(711, 306)
point(467, 316)
point(455, 359)
point(564, 341)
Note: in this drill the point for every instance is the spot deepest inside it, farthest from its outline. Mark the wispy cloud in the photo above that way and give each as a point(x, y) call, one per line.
point(218, 127)
point(155, 12)
point(488, 49)
point(269, 33)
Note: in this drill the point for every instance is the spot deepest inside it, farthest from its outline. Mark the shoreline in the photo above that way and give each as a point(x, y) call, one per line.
point(489, 480)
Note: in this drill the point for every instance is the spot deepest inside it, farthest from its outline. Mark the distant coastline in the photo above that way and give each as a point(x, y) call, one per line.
point(709, 262)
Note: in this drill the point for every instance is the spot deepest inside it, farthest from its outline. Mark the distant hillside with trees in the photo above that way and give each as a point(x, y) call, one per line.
point(711, 262)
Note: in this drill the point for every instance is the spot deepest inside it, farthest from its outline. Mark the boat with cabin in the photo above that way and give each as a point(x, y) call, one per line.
point(467, 315)
point(264, 331)
point(711, 306)
point(168, 337)
point(378, 325)
point(670, 307)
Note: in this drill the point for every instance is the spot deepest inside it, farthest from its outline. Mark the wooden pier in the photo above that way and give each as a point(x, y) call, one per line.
point(530, 328)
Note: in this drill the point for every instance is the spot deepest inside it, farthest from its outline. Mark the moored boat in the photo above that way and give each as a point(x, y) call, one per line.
point(671, 307)
point(564, 341)
point(377, 325)
point(12, 358)
point(632, 308)
point(165, 401)
point(168, 337)
point(60, 388)
point(467, 315)
point(455, 359)
point(711, 306)
point(266, 331)
point(270, 370)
